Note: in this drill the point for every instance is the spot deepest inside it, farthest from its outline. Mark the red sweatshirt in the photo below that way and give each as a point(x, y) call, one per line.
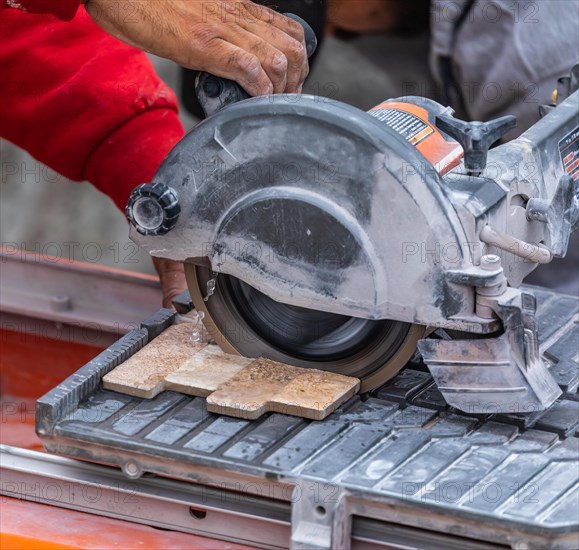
point(81, 101)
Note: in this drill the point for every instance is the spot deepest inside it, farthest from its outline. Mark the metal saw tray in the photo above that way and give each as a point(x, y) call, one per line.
point(395, 467)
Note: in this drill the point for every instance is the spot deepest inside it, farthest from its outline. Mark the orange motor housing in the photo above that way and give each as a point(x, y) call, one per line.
point(415, 122)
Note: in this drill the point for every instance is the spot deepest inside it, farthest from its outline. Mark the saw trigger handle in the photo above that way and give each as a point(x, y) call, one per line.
point(214, 93)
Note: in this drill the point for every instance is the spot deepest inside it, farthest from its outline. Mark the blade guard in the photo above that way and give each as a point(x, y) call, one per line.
point(318, 205)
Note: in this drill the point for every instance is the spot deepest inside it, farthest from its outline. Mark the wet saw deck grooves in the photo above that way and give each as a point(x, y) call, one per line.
point(401, 456)
point(233, 385)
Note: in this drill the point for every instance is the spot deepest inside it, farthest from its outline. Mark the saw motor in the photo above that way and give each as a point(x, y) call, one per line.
point(322, 236)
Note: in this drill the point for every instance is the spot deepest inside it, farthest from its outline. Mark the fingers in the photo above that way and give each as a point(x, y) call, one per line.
point(285, 35)
point(273, 57)
point(272, 61)
point(172, 277)
point(229, 61)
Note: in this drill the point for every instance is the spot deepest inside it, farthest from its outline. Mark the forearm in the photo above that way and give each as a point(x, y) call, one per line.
point(83, 103)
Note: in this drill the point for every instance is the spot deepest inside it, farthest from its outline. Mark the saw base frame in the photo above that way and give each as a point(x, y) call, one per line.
point(397, 464)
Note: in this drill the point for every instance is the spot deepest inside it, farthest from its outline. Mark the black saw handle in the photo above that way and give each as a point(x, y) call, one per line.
point(214, 93)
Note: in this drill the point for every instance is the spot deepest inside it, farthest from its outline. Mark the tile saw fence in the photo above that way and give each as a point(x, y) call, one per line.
point(396, 468)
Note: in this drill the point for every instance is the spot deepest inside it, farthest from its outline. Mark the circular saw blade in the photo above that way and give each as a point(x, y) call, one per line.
point(244, 321)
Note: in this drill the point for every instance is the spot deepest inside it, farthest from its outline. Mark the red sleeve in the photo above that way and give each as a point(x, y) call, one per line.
point(62, 9)
point(84, 103)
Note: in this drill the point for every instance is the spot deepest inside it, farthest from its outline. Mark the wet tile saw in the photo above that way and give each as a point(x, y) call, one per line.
point(319, 235)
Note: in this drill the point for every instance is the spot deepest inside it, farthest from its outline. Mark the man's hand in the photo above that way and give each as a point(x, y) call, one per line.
point(172, 279)
point(259, 48)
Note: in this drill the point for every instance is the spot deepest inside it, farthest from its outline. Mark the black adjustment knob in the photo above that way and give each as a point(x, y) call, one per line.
point(153, 209)
point(476, 138)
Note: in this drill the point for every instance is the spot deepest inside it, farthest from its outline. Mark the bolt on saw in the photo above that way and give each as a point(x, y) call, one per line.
point(322, 236)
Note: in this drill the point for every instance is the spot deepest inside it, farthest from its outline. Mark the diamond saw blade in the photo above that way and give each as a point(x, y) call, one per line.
point(244, 321)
